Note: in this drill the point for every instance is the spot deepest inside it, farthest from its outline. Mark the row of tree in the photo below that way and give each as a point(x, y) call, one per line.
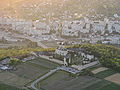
point(19, 52)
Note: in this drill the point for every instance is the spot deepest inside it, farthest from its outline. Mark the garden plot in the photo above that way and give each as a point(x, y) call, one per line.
point(13, 79)
point(27, 72)
point(99, 70)
point(62, 81)
point(114, 78)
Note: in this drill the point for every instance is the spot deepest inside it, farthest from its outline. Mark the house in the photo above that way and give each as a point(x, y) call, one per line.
point(5, 61)
point(41, 28)
point(71, 29)
point(98, 26)
point(28, 58)
point(67, 59)
point(61, 51)
point(5, 68)
point(112, 40)
point(86, 56)
point(116, 27)
point(65, 53)
point(69, 32)
point(22, 26)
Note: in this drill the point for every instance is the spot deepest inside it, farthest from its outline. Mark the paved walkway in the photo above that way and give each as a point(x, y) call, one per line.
point(81, 67)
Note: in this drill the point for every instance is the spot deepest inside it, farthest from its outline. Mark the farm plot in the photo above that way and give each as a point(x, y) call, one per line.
point(27, 72)
point(98, 85)
point(62, 81)
point(34, 68)
point(45, 63)
point(98, 70)
point(12, 79)
point(114, 78)
point(52, 79)
point(104, 74)
point(111, 86)
point(103, 85)
point(8, 87)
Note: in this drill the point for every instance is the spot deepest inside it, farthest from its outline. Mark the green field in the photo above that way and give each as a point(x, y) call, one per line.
point(35, 68)
point(111, 86)
point(27, 72)
point(8, 87)
point(97, 85)
point(103, 85)
point(53, 78)
point(62, 81)
point(105, 73)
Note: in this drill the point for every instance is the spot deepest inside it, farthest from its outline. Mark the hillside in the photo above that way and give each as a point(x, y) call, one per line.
point(61, 9)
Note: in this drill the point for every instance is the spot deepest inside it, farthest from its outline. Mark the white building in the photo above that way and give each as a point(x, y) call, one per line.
point(71, 28)
point(41, 28)
point(98, 26)
point(61, 51)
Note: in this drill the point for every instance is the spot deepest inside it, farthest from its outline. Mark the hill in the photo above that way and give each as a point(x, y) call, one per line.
point(61, 9)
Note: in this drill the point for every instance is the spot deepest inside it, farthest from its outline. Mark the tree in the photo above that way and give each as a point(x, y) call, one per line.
point(14, 62)
point(99, 42)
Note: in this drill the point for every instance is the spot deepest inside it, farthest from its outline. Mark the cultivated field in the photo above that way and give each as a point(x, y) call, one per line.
point(110, 86)
point(8, 87)
point(27, 72)
point(62, 81)
point(12, 79)
point(104, 74)
point(114, 78)
point(99, 70)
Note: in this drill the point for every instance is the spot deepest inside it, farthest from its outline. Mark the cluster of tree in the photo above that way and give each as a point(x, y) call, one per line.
point(14, 62)
point(109, 56)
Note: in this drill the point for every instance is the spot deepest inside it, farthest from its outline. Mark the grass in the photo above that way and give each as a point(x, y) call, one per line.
point(111, 86)
point(62, 81)
point(46, 63)
point(27, 72)
point(35, 68)
point(8, 87)
point(54, 78)
point(98, 85)
point(51, 44)
point(103, 85)
point(105, 73)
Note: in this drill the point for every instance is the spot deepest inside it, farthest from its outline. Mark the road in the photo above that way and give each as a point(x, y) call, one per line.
point(81, 67)
point(43, 77)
